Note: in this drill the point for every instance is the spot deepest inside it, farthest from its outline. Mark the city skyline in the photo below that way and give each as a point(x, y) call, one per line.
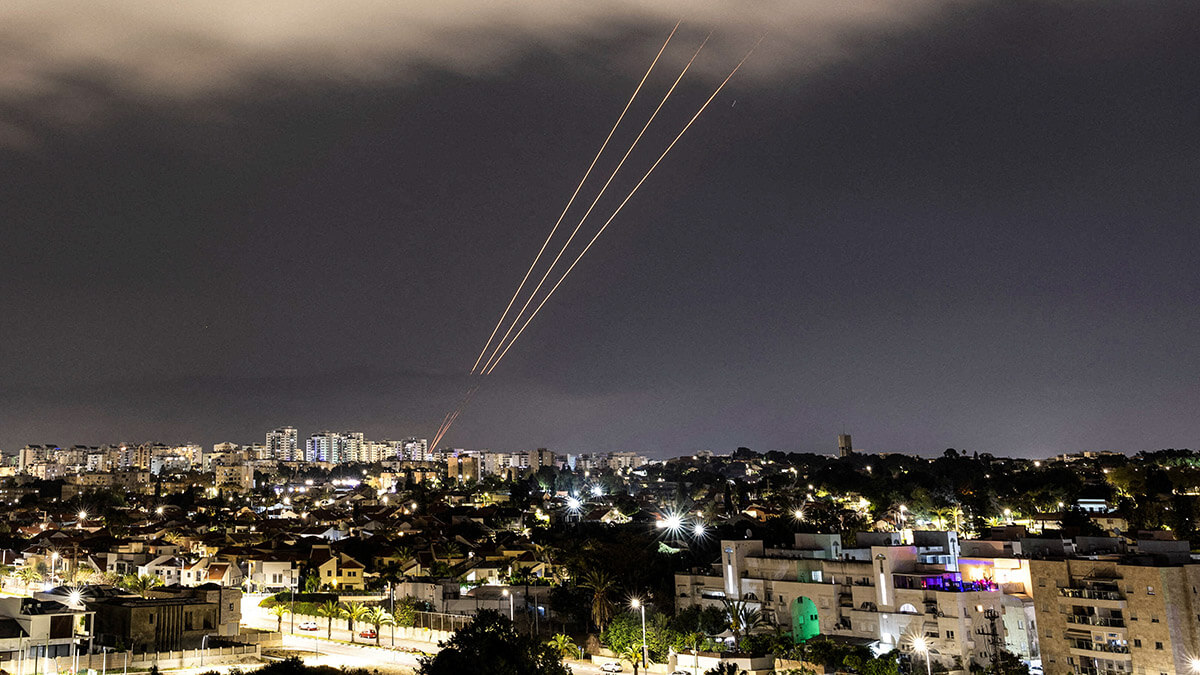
point(932, 225)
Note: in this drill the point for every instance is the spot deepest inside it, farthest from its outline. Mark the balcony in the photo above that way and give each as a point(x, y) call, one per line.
point(1099, 650)
point(1089, 594)
point(1091, 620)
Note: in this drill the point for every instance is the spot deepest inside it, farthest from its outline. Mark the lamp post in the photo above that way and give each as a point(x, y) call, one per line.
point(637, 604)
point(921, 646)
point(292, 600)
point(511, 607)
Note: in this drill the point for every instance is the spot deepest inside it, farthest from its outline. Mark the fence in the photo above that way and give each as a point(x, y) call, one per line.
point(441, 621)
point(122, 661)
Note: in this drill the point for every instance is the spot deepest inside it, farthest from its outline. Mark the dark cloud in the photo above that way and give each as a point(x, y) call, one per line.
point(973, 228)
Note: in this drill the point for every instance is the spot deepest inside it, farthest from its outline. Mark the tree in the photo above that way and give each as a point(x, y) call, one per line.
point(140, 583)
point(312, 582)
point(489, 645)
point(742, 618)
point(330, 610)
point(278, 611)
point(563, 645)
point(632, 654)
point(376, 616)
point(28, 575)
point(389, 621)
point(724, 668)
point(354, 611)
point(600, 583)
point(693, 641)
point(406, 612)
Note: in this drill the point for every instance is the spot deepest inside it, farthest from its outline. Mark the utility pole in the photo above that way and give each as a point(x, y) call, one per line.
point(991, 633)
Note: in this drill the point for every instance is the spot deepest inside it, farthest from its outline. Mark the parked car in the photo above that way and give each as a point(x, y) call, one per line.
point(611, 667)
point(309, 625)
point(368, 633)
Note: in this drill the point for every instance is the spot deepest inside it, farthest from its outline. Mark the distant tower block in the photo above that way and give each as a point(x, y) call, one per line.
point(845, 449)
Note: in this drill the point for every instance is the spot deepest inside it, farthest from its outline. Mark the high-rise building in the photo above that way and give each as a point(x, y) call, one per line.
point(1118, 613)
point(416, 449)
point(283, 444)
point(845, 449)
point(325, 446)
point(352, 447)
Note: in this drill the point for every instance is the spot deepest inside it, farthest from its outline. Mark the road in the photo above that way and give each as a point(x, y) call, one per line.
point(362, 653)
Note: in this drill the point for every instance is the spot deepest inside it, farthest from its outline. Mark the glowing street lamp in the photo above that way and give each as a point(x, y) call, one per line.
point(698, 530)
point(573, 504)
point(511, 607)
point(1194, 664)
point(637, 604)
point(921, 646)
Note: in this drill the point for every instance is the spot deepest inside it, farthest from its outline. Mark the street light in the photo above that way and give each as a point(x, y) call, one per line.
point(511, 600)
point(921, 646)
point(637, 604)
point(1194, 664)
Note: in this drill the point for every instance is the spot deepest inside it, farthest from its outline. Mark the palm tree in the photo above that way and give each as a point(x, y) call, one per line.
point(742, 618)
point(563, 645)
point(312, 582)
point(29, 575)
point(355, 611)
point(330, 610)
point(942, 516)
point(600, 583)
point(376, 616)
point(140, 583)
point(391, 622)
point(278, 611)
point(633, 654)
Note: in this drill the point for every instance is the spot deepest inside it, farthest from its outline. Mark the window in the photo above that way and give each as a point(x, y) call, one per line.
point(1137, 643)
point(328, 573)
point(1133, 617)
point(949, 635)
point(1158, 646)
point(1153, 618)
point(151, 619)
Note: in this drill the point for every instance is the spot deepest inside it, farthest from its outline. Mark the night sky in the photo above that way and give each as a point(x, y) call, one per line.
point(931, 225)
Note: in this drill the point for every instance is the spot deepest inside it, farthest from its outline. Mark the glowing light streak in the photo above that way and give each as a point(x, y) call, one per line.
point(618, 210)
point(578, 225)
point(571, 201)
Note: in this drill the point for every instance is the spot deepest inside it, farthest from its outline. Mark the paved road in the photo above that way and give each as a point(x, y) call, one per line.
point(364, 654)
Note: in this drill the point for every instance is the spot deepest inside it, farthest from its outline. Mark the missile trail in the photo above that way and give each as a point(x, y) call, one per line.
point(571, 201)
point(611, 176)
point(451, 416)
point(621, 206)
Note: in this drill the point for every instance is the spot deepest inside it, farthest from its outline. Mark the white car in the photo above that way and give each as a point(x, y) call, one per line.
point(309, 625)
point(611, 667)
